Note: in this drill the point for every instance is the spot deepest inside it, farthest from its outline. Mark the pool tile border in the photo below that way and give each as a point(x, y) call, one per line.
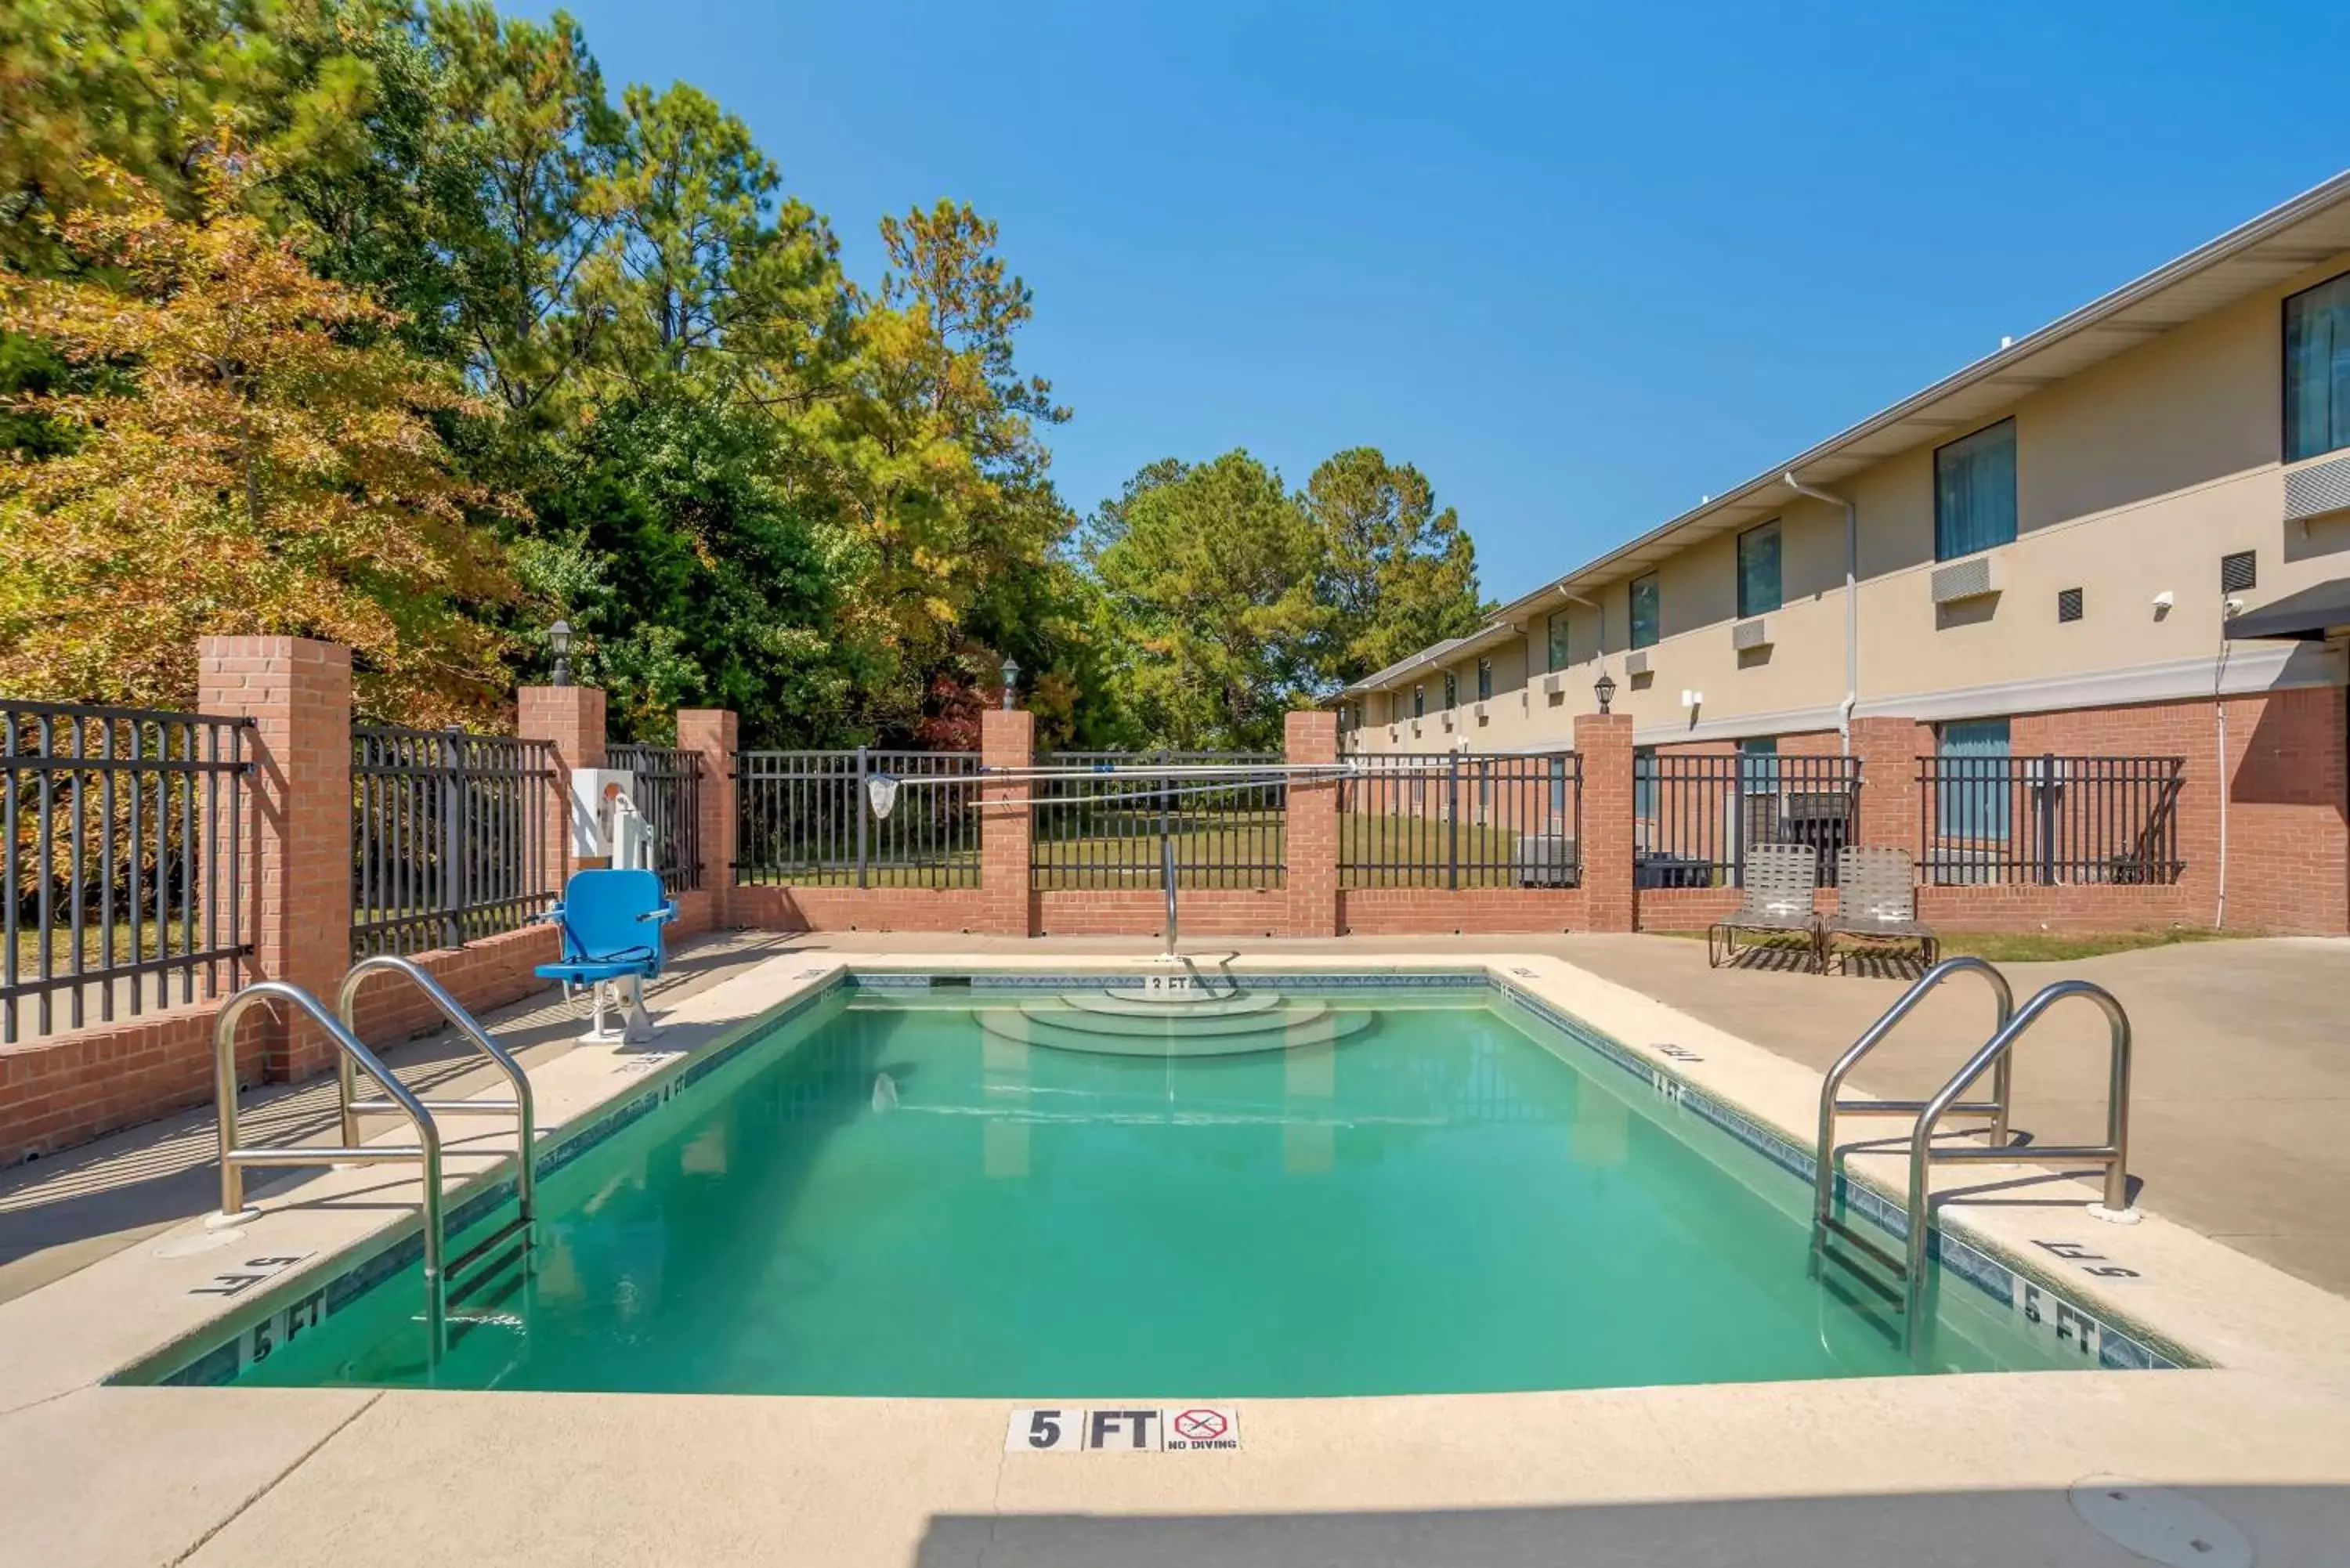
point(217, 1353)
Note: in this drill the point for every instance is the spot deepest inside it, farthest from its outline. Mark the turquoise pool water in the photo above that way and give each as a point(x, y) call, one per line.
point(885, 1199)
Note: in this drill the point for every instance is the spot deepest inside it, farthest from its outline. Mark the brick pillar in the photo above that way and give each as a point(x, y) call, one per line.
point(297, 693)
point(1604, 741)
point(1311, 841)
point(1007, 739)
point(1887, 750)
point(573, 717)
point(710, 734)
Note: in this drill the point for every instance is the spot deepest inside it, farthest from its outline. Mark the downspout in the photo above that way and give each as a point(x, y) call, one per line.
point(1851, 605)
point(1600, 643)
point(2220, 712)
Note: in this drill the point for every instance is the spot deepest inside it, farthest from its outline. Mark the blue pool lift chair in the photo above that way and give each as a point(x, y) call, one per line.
point(611, 923)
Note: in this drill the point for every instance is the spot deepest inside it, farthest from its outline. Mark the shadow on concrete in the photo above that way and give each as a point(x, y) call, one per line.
point(2296, 1525)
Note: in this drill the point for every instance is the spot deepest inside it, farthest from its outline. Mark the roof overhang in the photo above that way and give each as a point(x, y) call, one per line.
point(2309, 615)
point(1419, 665)
point(2312, 227)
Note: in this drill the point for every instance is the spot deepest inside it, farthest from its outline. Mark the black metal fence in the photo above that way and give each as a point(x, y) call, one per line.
point(448, 837)
point(805, 818)
point(669, 798)
point(2048, 819)
point(124, 831)
point(1695, 816)
point(1461, 819)
point(1104, 829)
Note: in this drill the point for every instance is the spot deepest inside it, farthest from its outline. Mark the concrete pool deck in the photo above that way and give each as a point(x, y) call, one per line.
point(1903, 1469)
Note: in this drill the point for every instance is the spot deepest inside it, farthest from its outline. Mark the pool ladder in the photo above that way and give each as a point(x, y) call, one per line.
point(1906, 1272)
point(445, 1279)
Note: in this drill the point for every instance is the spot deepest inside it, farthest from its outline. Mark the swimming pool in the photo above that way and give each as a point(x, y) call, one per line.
point(909, 1189)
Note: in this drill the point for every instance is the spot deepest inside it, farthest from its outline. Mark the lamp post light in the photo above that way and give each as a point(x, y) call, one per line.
point(1604, 690)
point(559, 639)
point(1011, 684)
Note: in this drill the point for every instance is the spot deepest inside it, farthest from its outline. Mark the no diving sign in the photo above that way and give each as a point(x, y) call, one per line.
point(1140, 1429)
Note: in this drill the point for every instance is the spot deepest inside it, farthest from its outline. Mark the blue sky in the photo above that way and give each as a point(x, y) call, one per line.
point(1581, 267)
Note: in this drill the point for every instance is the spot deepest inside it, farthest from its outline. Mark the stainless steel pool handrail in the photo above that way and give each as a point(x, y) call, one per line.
point(518, 1104)
point(426, 1151)
point(1167, 875)
point(1824, 1168)
point(2112, 1154)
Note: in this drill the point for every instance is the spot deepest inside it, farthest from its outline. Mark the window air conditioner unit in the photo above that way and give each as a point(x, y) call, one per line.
point(2320, 488)
point(1479, 712)
point(1746, 634)
point(1449, 717)
point(1554, 683)
point(1636, 663)
point(1968, 579)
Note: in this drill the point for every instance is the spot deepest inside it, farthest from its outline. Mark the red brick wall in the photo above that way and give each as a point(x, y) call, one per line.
point(862, 908)
point(2288, 842)
point(1605, 742)
point(1142, 912)
point(2288, 845)
point(1310, 839)
point(65, 1089)
point(1406, 911)
point(481, 975)
point(1007, 739)
point(297, 692)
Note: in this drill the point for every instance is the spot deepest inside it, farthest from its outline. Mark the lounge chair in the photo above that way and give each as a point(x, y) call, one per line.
point(1877, 901)
point(1780, 879)
point(611, 923)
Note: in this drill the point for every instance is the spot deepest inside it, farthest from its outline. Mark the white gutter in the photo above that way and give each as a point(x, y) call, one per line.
point(1851, 603)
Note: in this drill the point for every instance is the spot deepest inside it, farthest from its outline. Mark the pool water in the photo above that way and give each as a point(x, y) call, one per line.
point(885, 1199)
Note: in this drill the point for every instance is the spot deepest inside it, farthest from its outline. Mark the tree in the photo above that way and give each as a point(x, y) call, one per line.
point(1397, 573)
point(1214, 571)
point(251, 450)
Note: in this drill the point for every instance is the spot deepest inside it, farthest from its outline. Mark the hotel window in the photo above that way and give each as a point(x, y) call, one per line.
point(1484, 680)
point(1556, 629)
point(1419, 701)
point(1971, 799)
point(1758, 570)
point(1644, 782)
point(1758, 766)
point(1644, 611)
point(1452, 689)
point(2317, 370)
point(1974, 493)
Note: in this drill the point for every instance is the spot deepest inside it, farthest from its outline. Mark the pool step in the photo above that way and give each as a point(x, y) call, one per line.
point(1169, 1007)
point(1072, 1031)
point(1157, 1027)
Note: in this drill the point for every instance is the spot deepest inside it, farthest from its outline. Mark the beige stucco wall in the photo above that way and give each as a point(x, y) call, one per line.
point(2133, 478)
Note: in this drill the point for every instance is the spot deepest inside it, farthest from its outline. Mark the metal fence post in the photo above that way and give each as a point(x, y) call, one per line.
point(1453, 820)
point(452, 840)
point(2044, 804)
point(856, 805)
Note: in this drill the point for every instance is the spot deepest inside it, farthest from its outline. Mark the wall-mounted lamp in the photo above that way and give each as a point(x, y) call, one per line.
point(1692, 699)
point(1604, 690)
point(559, 642)
point(1011, 683)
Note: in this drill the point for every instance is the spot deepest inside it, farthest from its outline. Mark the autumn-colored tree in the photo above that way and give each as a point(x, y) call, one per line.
point(250, 450)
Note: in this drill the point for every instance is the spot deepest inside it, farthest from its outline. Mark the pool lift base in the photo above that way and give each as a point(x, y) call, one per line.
point(636, 1024)
point(1904, 1280)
